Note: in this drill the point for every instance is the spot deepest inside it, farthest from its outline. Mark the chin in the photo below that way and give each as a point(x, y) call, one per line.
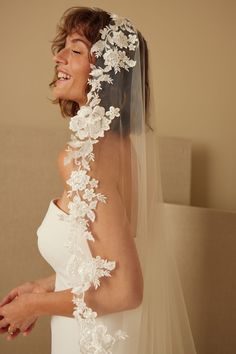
point(59, 93)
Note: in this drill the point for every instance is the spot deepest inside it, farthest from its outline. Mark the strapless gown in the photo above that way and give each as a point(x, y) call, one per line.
point(52, 236)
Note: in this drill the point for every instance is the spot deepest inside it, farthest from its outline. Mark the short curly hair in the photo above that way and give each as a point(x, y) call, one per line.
point(88, 21)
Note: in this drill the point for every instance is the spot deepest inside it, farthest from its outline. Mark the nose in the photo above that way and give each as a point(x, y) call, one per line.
point(60, 57)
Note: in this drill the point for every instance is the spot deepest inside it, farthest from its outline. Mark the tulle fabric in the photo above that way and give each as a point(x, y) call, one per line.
point(164, 326)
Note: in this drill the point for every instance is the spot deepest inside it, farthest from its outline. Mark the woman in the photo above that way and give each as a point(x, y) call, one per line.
point(108, 206)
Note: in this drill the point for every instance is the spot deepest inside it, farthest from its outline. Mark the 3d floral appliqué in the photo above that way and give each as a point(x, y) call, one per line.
point(90, 123)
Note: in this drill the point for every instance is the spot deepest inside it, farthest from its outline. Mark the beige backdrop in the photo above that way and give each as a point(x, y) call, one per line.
point(193, 55)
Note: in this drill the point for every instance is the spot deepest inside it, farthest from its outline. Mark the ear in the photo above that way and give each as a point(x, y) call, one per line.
point(92, 58)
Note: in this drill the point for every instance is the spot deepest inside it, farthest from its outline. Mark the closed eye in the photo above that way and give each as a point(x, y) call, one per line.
point(74, 51)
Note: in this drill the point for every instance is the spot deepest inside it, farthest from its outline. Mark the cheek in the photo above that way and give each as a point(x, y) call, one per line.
point(82, 73)
point(87, 70)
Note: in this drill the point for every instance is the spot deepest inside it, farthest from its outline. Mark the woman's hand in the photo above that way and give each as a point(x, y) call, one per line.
point(19, 313)
point(28, 287)
point(15, 334)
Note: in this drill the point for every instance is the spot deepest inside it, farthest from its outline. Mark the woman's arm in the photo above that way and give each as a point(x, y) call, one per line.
point(27, 307)
point(47, 283)
point(104, 300)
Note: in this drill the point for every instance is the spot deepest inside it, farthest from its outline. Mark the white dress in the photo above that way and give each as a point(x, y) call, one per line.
point(52, 236)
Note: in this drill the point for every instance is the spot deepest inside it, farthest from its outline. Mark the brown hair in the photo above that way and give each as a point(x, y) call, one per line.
point(88, 22)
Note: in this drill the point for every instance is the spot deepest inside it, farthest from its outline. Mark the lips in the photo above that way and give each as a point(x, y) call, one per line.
point(61, 82)
point(62, 77)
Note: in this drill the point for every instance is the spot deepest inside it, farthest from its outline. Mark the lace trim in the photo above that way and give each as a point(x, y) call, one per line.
point(89, 124)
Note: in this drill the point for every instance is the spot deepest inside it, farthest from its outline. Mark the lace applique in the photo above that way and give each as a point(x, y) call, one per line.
point(89, 124)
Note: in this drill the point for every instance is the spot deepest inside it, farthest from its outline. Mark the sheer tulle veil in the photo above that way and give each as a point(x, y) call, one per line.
point(117, 128)
point(164, 323)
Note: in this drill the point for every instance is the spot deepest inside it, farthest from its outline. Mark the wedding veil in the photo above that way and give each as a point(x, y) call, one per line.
point(116, 181)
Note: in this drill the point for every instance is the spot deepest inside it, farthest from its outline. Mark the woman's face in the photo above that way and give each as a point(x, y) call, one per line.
point(73, 60)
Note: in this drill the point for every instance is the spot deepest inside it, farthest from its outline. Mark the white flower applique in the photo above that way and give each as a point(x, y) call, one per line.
point(89, 124)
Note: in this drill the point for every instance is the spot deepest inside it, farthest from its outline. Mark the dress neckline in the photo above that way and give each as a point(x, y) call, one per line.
point(54, 202)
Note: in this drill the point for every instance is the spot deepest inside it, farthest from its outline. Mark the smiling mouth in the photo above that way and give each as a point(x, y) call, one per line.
point(62, 77)
point(61, 81)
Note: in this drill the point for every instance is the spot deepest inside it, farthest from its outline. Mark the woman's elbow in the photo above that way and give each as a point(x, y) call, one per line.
point(136, 301)
point(132, 298)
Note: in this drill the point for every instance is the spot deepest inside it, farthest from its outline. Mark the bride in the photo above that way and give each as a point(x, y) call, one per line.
point(109, 292)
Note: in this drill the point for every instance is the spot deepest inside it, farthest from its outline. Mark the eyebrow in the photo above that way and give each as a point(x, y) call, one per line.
point(79, 40)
